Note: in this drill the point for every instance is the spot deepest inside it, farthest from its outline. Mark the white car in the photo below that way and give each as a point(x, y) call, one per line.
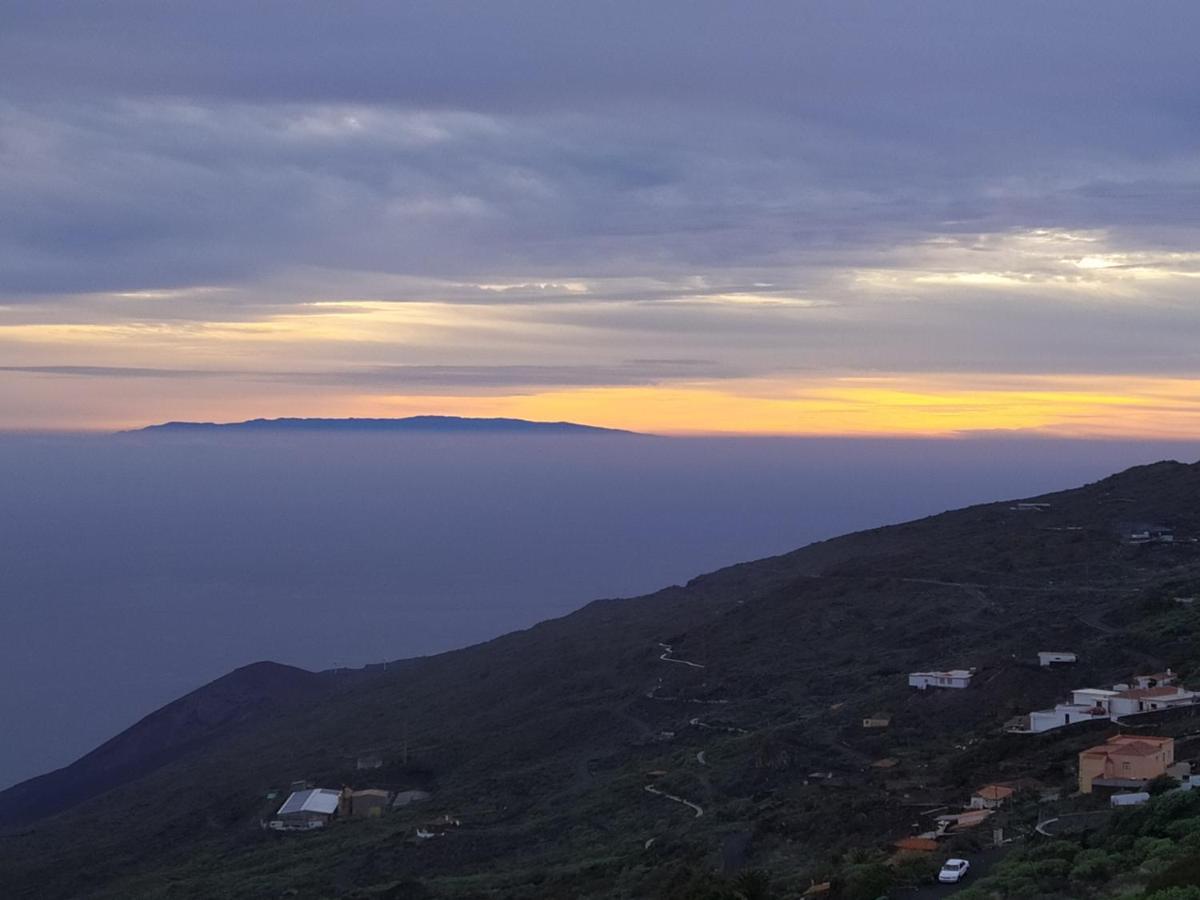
point(953, 871)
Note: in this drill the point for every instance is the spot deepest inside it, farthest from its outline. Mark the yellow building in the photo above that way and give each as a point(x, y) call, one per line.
point(1126, 757)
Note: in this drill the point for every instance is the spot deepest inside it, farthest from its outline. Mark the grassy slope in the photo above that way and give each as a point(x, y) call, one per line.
point(539, 740)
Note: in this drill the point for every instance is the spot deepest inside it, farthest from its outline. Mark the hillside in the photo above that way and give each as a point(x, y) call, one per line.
point(745, 688)
point(180, 728)
point(410, 424)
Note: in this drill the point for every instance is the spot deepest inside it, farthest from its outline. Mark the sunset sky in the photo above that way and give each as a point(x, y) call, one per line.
point(851, 218)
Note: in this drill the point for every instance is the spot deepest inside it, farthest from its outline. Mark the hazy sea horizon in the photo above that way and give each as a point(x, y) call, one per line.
point(135, 568)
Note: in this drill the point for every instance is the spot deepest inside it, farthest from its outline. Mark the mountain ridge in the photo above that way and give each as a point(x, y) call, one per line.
point(421, 424)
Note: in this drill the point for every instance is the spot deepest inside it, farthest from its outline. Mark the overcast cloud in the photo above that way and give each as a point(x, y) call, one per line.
point(778, 189)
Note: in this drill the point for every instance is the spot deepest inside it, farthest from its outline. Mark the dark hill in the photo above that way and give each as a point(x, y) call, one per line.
point(182, 727)
point(541, 741)
point(411, 424)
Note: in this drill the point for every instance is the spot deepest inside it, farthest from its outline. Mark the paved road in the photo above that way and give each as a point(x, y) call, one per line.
point(666, 657)
point(980, 864)
point(688, 803)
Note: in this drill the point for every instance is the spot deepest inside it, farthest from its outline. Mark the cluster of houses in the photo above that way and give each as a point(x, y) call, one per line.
point(1147, 693)
point(307, 808)
point(980, 807)
point(1147, 533)
point(1121, 768)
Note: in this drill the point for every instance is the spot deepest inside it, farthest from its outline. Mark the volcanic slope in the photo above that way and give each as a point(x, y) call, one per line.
point(542, 743)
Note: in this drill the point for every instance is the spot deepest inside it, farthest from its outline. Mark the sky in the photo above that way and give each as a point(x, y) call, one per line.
point(785, 217)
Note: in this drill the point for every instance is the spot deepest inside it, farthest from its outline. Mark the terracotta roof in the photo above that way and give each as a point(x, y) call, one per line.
point(972, 819)
point(1136, 748)
point(917, 844)
point(1144, 693)
point(995, 792)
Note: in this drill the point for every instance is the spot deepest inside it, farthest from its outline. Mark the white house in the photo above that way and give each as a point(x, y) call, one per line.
point(954, 678)
point(1156, 679)
point(1055, 658)
point(1092, 697)
point(307, 809)
point(1139, 700)
point(1136, 798)
point(1065, 714)
point(1089, 704)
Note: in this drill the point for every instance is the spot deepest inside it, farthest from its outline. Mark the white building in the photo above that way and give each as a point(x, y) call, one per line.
point(954, 678)
point(1157, 679)
point(1139, 700)
point(1092, 697)
point(1089, 704)
point(1055, 657)
point(1064, 714)
point(1136, 798)
point(307, 809)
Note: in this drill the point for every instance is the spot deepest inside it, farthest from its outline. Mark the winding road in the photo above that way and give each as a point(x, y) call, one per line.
point(651, 789)
point(666, 657)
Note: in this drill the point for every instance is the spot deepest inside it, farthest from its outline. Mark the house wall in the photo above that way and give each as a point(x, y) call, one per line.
point(925, 680)
point(369, 804)
point(1100, 762)
point(303, 820)
point(1047, 658)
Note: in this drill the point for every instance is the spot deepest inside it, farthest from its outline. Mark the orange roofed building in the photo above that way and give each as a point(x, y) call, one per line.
point(1127, 757)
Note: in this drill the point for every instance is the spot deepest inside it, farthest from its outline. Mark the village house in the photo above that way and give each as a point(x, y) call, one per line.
point(1125, 761)
point(1047, 658)
point(954, 678)
point(1064, 714)
point(1133, 798)
point(991, 796)
point(307, 809)
point(1148, 699)
point(917, 845)
point(369, 761)
point(407, 798)
point(1155, 679)
point(963, 821)
point(1144, 533)
point(1153, 692)
point(368, 803)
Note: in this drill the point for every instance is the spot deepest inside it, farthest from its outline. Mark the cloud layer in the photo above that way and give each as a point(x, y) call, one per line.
point(402, 200)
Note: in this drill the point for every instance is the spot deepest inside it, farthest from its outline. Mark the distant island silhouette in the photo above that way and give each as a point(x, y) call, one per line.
point(426, 424)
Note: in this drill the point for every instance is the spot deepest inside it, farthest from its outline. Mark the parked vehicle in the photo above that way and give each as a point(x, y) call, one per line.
point(953, 871)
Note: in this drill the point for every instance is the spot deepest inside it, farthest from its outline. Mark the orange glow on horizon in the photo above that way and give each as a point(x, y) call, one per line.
point(1101, 406)
point(908, 405)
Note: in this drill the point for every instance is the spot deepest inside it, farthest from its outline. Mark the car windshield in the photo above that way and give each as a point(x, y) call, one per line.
point(953, 865)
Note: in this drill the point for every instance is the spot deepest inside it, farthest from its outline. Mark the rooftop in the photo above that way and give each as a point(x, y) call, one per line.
point(1146, 693)
point(919, 844)
point(316, 800)
point(995, 792)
